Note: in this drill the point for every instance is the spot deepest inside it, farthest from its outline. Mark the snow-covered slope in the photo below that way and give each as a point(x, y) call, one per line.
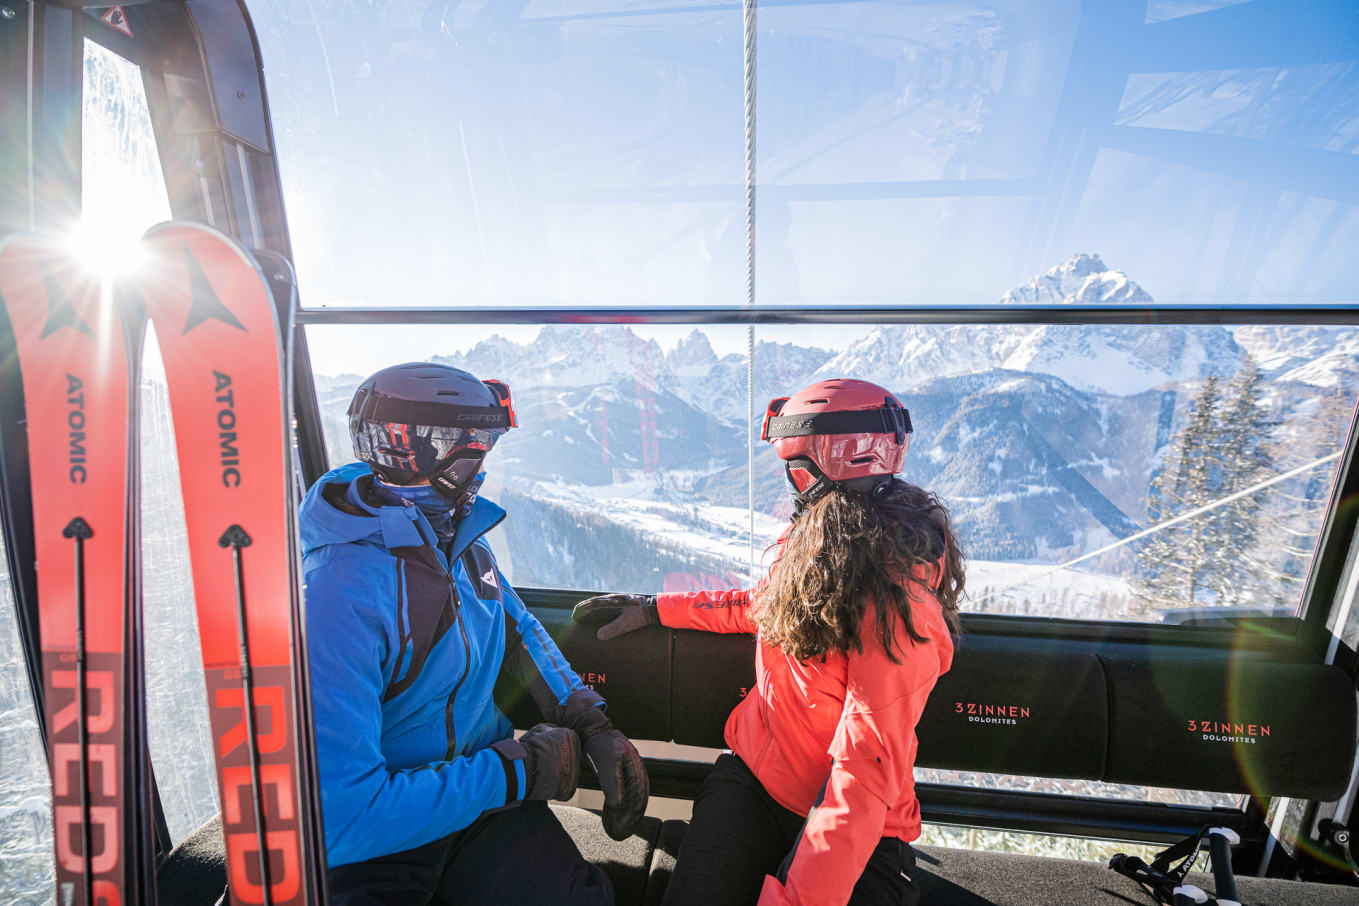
point(1320, 356)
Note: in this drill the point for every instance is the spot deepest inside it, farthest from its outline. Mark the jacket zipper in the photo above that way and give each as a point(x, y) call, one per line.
point(466, 668)
point(449, 726)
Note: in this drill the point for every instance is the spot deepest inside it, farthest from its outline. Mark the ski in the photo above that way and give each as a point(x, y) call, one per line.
point(79, 357)
point(219, 335)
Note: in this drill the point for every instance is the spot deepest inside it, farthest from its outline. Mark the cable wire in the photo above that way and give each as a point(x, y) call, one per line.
point(748, 57)
point(1150, 530)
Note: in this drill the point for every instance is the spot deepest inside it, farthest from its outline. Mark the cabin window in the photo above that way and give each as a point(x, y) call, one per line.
point(123, 194)
point(176, 697)
point(1167, 474)
point(122, 186)
point(26, 792)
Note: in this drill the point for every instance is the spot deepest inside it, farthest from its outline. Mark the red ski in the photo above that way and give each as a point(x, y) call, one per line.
point(79, 384)
point(219, 336)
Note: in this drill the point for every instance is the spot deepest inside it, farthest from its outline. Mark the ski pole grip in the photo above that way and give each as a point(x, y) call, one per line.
point(1189, 895)
point(1220, 843)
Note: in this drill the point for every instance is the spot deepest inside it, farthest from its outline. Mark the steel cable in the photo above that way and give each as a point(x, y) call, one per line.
point(748, 55)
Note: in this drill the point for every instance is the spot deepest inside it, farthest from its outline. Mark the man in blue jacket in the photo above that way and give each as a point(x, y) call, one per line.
point(427, 796)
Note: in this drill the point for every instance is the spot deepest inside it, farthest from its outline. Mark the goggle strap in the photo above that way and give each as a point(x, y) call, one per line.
point(502, 393)
point(885, 420)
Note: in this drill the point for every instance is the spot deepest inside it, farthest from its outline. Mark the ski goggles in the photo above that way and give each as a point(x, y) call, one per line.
point(422, 449)
point(889, 418)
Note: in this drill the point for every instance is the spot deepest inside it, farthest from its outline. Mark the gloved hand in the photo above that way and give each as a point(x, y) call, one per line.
point(622, 776)
point(621, 613)
point(551, 757)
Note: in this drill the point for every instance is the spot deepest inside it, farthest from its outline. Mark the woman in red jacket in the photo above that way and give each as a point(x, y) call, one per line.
point(815, 805)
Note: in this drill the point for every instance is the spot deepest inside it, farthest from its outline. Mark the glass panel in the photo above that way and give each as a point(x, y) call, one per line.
point(124, 193)
point(25, 785)
point(628, 469)
point(583, 152)
point(465, 154)
point(1110, 472)
point(1161, 10)
point(1093, 789)
point(1052, 846)
point(924, 153)
point(1090, 472)
point(177, 704)
point(122, 187)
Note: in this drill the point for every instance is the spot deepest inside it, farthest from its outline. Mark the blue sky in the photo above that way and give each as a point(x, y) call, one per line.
point(569, 153)
point(590, 153)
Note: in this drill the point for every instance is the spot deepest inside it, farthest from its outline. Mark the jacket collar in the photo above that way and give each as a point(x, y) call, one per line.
point(406, 526)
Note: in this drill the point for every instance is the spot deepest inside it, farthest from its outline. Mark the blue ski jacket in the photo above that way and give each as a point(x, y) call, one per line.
point(406, 639)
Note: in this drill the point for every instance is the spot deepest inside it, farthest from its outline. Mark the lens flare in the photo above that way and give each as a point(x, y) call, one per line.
point(106, 250)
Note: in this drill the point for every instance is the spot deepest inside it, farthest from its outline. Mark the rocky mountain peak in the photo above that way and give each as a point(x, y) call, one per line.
point(1082, 279)
point(693, 350)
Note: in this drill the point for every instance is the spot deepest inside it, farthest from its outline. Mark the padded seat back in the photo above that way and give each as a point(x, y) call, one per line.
point(632, 675)
point(1010, 705)
point(1014, 711)
point(1231, 726)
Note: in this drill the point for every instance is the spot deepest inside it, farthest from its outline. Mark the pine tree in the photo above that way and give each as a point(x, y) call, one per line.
point(1246, 432)
point(1175, 562)
point(1292, 511)
point(1222, 556)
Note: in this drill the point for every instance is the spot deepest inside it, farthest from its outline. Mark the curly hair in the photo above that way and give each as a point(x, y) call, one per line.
point(849, 550)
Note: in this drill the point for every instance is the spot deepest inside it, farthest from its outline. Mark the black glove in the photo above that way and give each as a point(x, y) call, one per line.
point(622, 776)
point(551, 757)
point(621, 613)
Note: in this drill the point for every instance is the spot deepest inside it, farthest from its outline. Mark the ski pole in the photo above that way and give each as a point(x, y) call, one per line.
point(79, 530)
point(1189, 895)
point(1220, 843)
point(236, 538)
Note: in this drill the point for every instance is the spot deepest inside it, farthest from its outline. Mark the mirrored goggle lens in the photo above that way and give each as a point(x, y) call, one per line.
point(447, 441)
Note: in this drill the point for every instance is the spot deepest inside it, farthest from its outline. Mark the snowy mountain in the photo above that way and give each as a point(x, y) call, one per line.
point(1117, 359)
point(1043, 439)
point(1083, 280)
point(1320, 356)
point(566, 356)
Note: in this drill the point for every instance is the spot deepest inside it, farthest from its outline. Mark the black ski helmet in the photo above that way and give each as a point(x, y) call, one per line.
point(424, 421)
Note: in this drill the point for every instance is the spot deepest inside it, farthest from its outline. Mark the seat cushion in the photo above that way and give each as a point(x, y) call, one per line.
point(626, 862)
point(194, 874)
point(663, 860)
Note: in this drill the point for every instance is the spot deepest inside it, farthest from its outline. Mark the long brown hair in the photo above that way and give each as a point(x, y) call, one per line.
point(848, 550)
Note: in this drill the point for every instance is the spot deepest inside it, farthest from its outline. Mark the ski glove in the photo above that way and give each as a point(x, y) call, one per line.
point(620, 613)
point(551, 757)
point(622, 776)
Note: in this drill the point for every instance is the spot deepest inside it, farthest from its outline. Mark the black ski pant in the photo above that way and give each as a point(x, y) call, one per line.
point(517, 856)
point(739, 834)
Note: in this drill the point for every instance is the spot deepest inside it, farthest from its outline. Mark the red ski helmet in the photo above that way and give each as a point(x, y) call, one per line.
point(842, 431)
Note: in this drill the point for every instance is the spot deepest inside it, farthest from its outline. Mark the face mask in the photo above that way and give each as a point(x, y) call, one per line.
point(435, 507)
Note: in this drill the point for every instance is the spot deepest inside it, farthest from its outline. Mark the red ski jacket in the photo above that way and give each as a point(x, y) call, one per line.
point(847, 724)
